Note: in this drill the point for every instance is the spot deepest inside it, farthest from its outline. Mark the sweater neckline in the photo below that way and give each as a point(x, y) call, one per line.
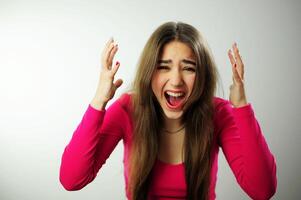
point(169, 164)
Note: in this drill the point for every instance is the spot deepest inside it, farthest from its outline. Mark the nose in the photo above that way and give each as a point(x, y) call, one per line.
point(176, 78)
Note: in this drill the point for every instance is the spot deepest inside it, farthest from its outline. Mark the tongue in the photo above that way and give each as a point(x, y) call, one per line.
point(175, 101)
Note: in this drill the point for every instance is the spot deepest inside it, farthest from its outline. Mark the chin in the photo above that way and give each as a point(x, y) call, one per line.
point(173, 115)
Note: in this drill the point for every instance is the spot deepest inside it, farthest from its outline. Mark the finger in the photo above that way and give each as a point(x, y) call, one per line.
point(240, 65)
point(109, 41)
point(115, 68)
point(107, 54)
point(105, 49)
point(230, 55)
point(118, 83)
point(112, 54)
point(236, 76)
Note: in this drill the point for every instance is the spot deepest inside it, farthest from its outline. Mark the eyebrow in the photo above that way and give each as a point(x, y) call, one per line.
point(184, 61)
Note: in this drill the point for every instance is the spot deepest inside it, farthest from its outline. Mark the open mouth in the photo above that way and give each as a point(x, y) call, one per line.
point(175, 100)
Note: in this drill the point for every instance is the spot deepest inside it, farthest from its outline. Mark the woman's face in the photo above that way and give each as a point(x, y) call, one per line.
point(173, 78)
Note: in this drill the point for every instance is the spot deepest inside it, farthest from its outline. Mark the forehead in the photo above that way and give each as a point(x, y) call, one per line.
point(177, 49)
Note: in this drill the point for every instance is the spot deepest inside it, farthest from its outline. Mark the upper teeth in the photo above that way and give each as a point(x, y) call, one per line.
point(175, 94)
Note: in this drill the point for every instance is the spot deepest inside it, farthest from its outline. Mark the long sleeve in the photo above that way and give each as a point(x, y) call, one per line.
point(91, 144)
point(246, 151)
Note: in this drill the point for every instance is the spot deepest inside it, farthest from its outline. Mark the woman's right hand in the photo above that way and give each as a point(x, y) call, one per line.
point(106, 85)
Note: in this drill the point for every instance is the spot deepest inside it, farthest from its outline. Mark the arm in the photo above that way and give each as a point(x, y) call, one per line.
point(247, 152)
point(92, 143)
point(99, 131)
point(242, 141)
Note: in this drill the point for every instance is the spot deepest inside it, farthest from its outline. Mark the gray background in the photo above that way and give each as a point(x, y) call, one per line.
point(49, 66)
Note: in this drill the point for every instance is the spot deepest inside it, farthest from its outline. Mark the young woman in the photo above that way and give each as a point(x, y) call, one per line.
point(171, 124)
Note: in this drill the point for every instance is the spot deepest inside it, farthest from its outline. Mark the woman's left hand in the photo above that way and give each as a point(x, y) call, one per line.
point(237, 90)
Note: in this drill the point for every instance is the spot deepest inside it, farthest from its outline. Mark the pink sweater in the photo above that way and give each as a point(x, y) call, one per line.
point(237, 132)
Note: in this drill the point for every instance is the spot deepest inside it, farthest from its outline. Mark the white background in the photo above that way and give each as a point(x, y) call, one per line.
point(49, 66)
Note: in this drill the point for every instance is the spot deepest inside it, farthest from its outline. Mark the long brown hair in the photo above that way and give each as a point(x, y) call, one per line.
point(197, 117)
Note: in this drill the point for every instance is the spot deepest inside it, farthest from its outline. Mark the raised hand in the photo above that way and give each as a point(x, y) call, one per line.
point(106, 85)
point(237, 90)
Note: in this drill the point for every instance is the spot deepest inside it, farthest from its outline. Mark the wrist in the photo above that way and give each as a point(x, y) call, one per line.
point(98, 104)
point(239, 104)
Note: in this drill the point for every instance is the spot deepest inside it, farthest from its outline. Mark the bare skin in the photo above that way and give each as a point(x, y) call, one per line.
point(171, 145)
point(237, 89)
point(176, 75)
point(171, 148)
point(106, 86)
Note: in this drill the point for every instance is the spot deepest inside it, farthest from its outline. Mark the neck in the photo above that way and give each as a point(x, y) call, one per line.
point(172, 125)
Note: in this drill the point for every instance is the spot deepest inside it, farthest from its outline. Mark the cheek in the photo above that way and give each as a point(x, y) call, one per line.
point(190, 81)
point(157, 84)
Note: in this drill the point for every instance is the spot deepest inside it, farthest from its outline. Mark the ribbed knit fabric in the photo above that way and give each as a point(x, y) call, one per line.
point(237, 132)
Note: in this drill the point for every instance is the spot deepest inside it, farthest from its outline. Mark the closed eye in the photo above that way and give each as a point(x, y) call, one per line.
point(191, 69)
point(162, 67)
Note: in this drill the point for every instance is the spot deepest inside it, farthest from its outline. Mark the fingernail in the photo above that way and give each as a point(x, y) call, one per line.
point(117, 63)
